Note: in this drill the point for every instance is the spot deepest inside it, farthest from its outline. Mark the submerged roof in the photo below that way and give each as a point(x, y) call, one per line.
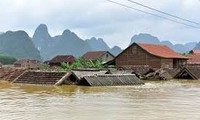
point(93, 55)
point(189, 72)
point(62, 58)
point(110, 80)
point(160, 51)
point(47, 78)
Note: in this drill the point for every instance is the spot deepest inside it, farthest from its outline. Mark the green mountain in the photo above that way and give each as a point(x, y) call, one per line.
point(67, 43)
point(19, 45)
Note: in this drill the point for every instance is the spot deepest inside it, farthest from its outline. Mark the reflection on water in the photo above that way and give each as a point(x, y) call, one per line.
point(169, 100)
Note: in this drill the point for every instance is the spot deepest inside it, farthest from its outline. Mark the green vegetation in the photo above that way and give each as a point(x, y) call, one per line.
point(81, 63)
point(6, 59)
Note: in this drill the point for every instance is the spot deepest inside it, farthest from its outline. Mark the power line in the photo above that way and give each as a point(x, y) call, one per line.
point(180, 18)
point(123, 5)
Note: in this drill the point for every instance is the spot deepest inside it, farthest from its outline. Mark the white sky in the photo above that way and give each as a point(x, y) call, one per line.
point(100, 18)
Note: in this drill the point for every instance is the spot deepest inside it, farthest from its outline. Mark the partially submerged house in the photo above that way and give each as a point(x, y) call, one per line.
point(194, 58)
point(10, 73)
point(27, 63)
point(189, 72)
point(57, 60)
point(148, 55)
point(110, 80)
point(47, 78)
point(105, 56)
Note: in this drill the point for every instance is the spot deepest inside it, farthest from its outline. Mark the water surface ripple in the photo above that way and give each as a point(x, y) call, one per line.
point(169, 100)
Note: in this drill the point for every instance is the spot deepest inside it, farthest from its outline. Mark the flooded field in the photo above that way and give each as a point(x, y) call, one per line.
point(169, 100)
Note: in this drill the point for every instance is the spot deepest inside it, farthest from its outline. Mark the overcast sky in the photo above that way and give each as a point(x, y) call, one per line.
point(102, 19)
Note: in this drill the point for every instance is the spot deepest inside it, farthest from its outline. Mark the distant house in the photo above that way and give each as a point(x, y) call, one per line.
point(154, 56)
point(105, 56)
point(194, 58)
point(197, 51)
point(27, 63)
point(57, 60)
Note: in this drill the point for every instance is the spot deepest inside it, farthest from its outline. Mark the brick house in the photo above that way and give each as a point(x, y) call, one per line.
point(27, 63)
point(57, 60)
point(154, 56)
point(105, 56)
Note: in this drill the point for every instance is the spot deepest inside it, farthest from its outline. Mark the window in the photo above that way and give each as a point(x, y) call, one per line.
point(134, 50)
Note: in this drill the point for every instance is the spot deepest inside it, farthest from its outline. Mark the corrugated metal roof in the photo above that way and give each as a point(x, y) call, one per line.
point(111, 80)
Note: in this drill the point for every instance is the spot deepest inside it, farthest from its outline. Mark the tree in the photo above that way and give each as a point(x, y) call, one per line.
point(81, 63)
point(7, 59)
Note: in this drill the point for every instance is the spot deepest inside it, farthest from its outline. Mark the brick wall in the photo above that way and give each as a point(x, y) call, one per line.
point(135, 55)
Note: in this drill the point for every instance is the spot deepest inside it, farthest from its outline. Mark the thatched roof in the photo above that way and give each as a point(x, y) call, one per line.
point(110, 80)
point(189, 73)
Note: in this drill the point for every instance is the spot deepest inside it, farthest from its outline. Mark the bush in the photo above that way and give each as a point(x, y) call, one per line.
point(6, 59)
point(81, 63)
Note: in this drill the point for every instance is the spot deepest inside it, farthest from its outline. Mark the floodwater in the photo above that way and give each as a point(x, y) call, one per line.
point(169, 100)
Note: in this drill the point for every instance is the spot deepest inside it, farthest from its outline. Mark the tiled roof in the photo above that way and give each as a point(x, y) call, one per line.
point(160, 51)
point(195, 51)
point(93, 55)
point(62, 58)
point(194, 59)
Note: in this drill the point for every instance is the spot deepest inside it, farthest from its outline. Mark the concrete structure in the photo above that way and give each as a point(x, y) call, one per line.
point(110, 80)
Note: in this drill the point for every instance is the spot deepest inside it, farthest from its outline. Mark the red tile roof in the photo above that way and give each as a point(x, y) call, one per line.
point(195, 51)
point(194, 59)
point(93, 55)
point(62, 58)
point(160, 51)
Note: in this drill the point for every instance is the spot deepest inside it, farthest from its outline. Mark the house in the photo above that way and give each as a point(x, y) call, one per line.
point(105, 56)
point(194, 58)
point(47, 78)
point(27, 63)
point(57, 60)
point(197, 51)
point(110, 80)
point(148, 55)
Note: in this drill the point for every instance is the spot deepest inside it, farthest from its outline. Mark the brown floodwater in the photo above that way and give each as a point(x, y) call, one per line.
point(169, 100)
